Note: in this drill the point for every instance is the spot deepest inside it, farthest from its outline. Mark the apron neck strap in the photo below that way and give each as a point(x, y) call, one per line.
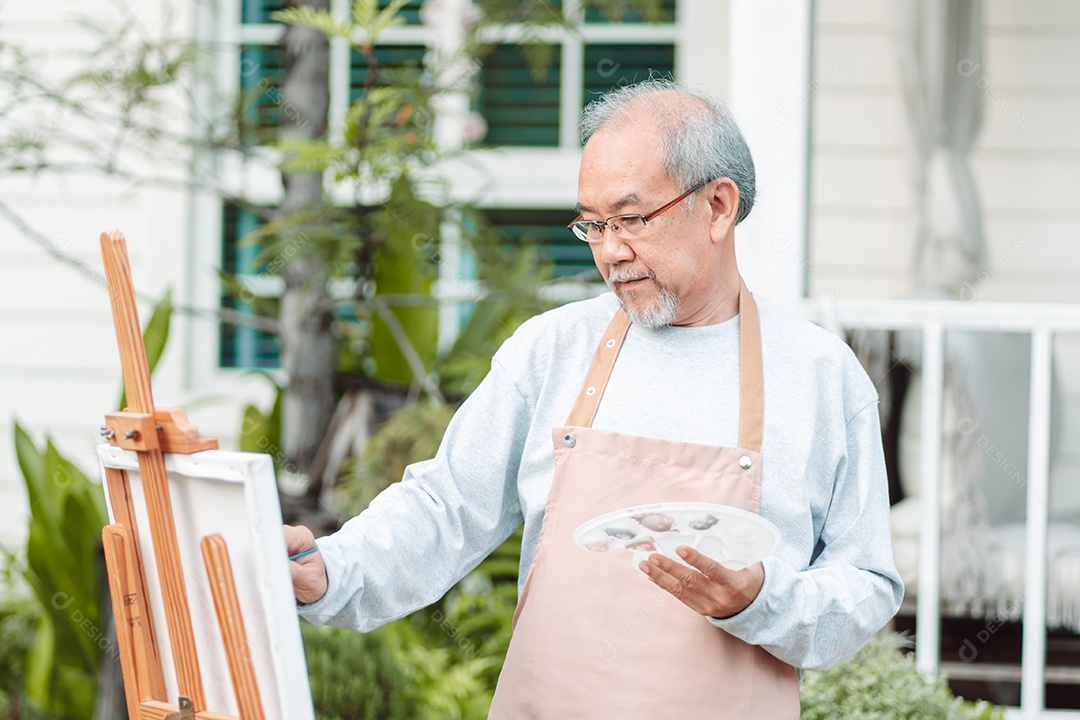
point(599, 371)
point(751, 380)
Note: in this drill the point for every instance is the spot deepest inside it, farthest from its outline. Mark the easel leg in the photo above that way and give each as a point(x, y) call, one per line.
point(116, 560)
point(151, 680)
point(231, 621)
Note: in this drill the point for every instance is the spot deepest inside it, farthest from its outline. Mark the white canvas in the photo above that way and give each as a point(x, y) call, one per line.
point(233, 494)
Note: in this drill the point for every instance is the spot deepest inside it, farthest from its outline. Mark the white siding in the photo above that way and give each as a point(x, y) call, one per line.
point(1026, 161)
point(1026, 165)
point(59, 365)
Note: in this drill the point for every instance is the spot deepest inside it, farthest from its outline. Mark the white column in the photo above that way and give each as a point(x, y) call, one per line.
point(770, 94)
point(1033, 659)
point(445, 22)
point(928, 602)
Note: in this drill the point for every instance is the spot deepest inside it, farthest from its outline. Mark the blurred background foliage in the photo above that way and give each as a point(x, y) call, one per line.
point(881, 681)
point(63, 568)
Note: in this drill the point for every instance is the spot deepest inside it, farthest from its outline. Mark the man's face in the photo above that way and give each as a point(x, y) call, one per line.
point(661, 275)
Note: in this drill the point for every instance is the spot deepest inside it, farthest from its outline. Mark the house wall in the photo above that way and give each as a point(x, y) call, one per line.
point(1026, 165)
point(59, 364)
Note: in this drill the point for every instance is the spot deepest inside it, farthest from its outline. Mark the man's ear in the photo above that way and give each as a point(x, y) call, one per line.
point(723, 197)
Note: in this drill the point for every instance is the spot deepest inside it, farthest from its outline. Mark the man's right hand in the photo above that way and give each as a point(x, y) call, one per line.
point(308, 572)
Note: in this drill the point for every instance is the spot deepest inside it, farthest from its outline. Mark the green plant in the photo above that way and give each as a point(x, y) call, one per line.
point(261, 431)
point(355, 676)
point(411, 434)
point(512, 278)
point(881, 682)
point(67, 512)
point(439, 663)
point(19, 618)
point(449, 654)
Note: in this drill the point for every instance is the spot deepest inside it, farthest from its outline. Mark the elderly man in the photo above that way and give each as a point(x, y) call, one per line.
point(678, 385)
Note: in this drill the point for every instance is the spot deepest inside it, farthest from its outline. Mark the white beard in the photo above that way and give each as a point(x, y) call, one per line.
point(660, 314)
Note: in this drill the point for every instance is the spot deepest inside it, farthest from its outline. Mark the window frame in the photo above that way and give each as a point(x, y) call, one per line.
point(492, 178)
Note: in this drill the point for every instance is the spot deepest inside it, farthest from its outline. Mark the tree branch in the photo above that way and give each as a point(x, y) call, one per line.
point(226, 315)
point(407, 349)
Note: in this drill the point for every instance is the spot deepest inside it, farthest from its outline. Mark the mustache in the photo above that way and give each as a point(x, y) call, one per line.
point(616, 275)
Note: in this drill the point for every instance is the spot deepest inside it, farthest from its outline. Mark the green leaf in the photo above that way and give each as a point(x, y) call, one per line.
point(261, 431)
point(155, 336)
point(384, 20)
point(651, 11)
point(403, 266)
point(320, 20)
point(32, 465)
point(363, 12)
point(39, 662)
point(66, 516)
point(306, 156)
point(255, 430)
point(539, 57)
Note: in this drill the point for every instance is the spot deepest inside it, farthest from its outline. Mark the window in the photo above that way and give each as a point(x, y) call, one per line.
point(546, 229)
point(608, 66)
point(257, 12)
point(241, 346)
point(520, 108)
point(260, 78)
point(522, 111)
point(529, 110)
point(592, 15)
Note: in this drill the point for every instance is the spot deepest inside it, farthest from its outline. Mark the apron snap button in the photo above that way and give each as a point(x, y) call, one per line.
point(570, 441)
point(745, 462)
point(590, 390)
point(611, 343)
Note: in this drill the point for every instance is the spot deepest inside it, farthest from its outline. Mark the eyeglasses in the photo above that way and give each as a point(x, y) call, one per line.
point(626, 227)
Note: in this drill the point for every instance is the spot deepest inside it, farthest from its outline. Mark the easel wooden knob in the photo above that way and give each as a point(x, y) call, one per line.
point(150, 433)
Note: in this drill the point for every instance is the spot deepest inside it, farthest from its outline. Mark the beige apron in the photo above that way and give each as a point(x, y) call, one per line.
point(593, 636)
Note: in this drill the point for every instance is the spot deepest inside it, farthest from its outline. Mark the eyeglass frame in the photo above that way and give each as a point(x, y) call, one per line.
point(644, 218)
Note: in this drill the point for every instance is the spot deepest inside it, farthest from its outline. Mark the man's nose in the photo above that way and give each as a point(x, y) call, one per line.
point(613, 249)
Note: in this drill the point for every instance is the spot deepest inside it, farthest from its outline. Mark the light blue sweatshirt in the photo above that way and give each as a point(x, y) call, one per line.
point(829, 586)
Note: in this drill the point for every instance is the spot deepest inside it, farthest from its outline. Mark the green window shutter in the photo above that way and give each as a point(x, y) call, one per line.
point(609, 66)
point(390, 57)
point(260, 100)
point(519, 109)
point(242, 347)
point(411, 10)
point(260, 83)
point(594, 15)
point(547, 229)
point(257, 12)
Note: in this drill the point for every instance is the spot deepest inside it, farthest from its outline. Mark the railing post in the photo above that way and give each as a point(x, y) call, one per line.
point(1033, 660)
point(928, 604)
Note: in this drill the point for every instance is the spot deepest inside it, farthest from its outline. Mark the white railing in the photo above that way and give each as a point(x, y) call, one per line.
point(934, 319)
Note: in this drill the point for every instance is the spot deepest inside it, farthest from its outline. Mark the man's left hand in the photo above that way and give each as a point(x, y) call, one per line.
point(708, 587)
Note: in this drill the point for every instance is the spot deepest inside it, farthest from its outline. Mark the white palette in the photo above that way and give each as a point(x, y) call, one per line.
point(733, 537)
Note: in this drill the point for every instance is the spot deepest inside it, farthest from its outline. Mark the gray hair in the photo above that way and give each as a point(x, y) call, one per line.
point(699, 141)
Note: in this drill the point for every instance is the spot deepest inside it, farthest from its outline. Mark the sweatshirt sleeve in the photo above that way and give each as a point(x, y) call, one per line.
point(818, 616)
point(423, 534)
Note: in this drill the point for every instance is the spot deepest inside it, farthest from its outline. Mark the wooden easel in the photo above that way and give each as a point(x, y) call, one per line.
point(152, 432)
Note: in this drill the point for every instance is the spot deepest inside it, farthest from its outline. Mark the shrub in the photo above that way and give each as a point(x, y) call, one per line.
point(882, 683)
point(355, 677)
